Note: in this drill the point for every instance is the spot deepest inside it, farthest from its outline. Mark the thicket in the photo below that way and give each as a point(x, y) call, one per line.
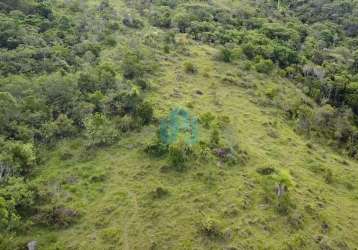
point(314, 44)
point(181, 151)
point(55, 85)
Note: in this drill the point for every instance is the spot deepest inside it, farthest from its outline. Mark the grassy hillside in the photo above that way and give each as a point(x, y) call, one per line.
point(118, 191)
point(119, 196)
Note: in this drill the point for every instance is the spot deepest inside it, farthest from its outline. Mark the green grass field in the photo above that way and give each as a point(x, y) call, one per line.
point(128, 200)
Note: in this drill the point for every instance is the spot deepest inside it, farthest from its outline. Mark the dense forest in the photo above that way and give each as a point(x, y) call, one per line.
point(166, 88)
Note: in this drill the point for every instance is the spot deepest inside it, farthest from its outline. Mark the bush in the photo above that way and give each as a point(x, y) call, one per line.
point(60, 128)
point(231, 155)
point(206, 119)
point(264, 66)
point(249, 50)
point(127, 123)
point(99, 130)
point(132, 21)
point(161, 17)
point(159, 192)
point(226, 55)
point(285, 56)
point(190, 68)
point(179, 154)
point(328, 176)
point(214, 138)
point(276, 191)
point(156, 148)
point(17, 158)
point(144, 112)
point(15, 195)
point(132, 66)
point(211, 228)
point(63, 216)
point(182, 21)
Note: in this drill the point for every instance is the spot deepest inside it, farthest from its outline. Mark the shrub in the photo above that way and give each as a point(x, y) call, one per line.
point(132, 66)
point(127, 123)
point(182, 21)
point(63, 216)
point(206, 119)
point(156, 149)
point(190, 68)
point(179, 154)
point(166, 49)
point(100, 130)
point(276, 191)
point(231, 155)
point(60, 128)
point(144, 112)
point(226, 55)
point(110, 41)
point(6, 215)
point(211, 228)
point(328, 176)
point(214, 138)
point(285, 56)
point(15, 195)
point(132, 21)
point(266, 170)
point(223, 121)
point(161, 17)
point(17, 158)
point(264, 66)
point(159, 193)
point(249, 50)
point(271, 91)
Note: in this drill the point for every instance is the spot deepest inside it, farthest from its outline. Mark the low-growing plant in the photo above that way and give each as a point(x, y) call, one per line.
point(226, 55)
point(264, 66)
point(211, 228)
point(156, 149)
point(328, 176)
point(231, 155)
point(159, 193)
point(100, 130)
point(222, 121)
point(206, 119)
point(276, 191)
point(190, 68)
point(132, 21)
point(144, 111)
point(179, 154)
point(271, 91)
point(214, 138)
point(63, 216)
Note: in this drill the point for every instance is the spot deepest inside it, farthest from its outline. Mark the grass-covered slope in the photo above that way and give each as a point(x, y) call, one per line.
point(286, 183)
point(128, 200)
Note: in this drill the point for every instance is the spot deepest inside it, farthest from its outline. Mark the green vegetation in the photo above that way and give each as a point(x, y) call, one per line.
point(178, 124)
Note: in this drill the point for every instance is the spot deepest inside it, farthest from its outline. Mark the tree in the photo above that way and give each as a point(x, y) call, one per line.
point(61, 93)
point(355, 62)
point(8, 109)
point(284, 56)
